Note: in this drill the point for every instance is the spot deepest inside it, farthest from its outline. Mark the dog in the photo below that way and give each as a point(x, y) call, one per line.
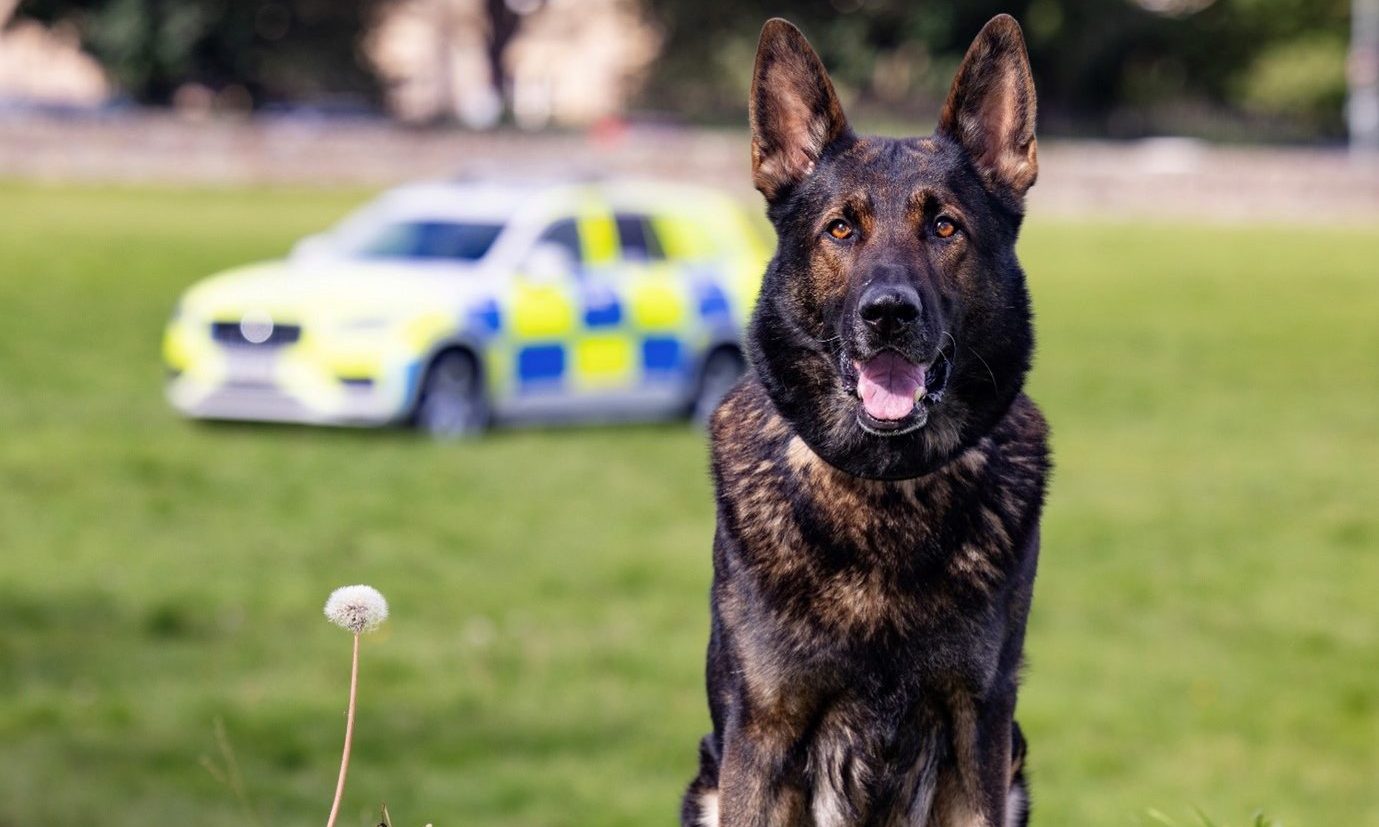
point(879, 472)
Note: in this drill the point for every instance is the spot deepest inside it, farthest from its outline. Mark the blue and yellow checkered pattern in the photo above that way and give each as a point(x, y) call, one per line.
point(590, 337)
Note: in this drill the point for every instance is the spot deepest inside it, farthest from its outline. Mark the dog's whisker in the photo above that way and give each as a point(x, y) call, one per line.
point(994, 384)
point(955, 350)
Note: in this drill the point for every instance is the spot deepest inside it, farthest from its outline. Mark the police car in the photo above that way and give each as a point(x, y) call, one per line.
point(453, 305)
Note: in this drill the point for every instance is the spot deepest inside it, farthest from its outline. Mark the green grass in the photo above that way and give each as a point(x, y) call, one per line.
point(1204, 633)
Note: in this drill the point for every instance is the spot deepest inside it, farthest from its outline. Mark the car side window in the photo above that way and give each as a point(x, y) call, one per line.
point(638, 238)
point(430, 240)
point(563, 233)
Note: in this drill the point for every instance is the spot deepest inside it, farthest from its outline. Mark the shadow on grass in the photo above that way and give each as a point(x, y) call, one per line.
point(403, 433)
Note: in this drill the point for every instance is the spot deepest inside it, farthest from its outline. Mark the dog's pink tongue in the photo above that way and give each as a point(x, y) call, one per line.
point(887, 384)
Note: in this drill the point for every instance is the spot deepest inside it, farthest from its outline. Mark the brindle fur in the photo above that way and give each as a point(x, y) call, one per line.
point(870, 591)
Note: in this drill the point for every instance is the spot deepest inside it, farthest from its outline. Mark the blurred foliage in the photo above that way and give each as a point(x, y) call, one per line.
point(1299, 77)
point(247, 52)
point(1218, 68)
point(1103, 66)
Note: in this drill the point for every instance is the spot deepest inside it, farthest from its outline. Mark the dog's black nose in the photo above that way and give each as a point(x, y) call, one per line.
point(886, 308)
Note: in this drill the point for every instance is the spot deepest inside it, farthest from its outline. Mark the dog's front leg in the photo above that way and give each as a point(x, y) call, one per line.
point(975, 792)
point(754, 786)
point(994, 767)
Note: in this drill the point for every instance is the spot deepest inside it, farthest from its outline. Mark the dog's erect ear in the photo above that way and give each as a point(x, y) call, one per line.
point(990, 109)
point(795, 113)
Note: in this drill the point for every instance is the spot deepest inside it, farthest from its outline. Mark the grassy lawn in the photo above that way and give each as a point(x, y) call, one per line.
point(1205, 631)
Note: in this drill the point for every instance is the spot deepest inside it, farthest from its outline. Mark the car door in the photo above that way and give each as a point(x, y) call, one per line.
point(659, 315)
point(568, 354)
point(615, 334)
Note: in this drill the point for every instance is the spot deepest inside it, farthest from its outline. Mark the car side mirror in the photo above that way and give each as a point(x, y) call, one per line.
point(548, 262)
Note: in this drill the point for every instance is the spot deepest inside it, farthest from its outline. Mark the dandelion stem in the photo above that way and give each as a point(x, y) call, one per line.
point(349, 735)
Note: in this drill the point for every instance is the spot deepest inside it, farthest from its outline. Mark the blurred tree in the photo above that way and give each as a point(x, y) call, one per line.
point(426, 51)
point(247, 51)
point(1303, 78)
point(504, 19)
point(1125, 67)
point(1225, 68)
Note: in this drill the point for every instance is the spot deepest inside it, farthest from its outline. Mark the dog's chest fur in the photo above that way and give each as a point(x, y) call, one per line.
point(856, 561)
point(865, 618)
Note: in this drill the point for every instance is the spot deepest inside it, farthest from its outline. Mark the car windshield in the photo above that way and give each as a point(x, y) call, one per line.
point(448, 240)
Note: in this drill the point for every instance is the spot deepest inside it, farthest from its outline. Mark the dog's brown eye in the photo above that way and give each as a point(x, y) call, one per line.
point(945, 228)
point(839, 229)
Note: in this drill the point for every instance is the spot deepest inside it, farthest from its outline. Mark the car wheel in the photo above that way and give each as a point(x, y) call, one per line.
point(452, 402)
point(721, 371)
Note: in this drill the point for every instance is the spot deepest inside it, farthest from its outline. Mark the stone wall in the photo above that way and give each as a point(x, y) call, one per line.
point(1163, 178)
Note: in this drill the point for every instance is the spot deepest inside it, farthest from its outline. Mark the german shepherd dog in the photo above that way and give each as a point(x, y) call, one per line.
point(880, 473)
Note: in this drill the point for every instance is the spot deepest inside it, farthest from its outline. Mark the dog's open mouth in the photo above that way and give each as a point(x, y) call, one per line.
point(896, 394)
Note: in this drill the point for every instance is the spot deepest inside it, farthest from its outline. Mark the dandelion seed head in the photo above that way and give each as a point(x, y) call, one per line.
point(357, 608)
